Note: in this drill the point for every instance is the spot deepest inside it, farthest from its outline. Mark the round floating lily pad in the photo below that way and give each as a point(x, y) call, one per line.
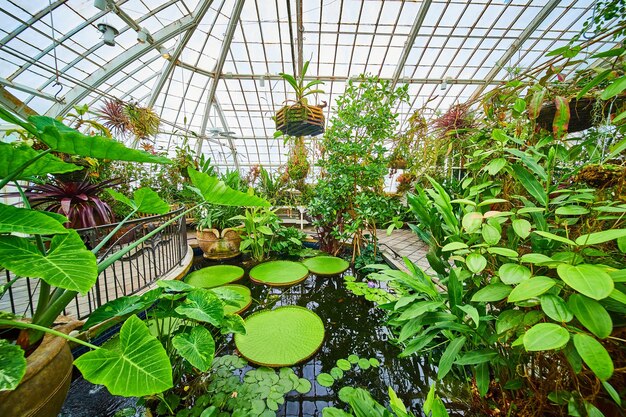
point(326, 265)
point(214, 276)
point(281, 337)
point(241, 305)
point(279, 273)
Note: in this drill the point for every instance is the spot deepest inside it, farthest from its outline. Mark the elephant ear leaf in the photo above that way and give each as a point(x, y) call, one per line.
point(13, 365)
point(197, 346)
point(217, 192)
point(62, 138)
point(67, 264)
point(13, 158)
point(138, 366)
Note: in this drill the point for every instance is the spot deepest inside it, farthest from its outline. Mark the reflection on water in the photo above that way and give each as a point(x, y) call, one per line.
point(353, 326)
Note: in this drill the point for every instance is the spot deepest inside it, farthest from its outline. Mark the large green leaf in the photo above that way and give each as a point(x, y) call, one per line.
point(529, 182)
point(589, 280)
point(13, 365)
point(555, 308)
point(513, 273)
point(21, 220)
point(545, 336)
point(562, 116)
point(68, 264)
point(197, 346)
point(521, 227)
point(449, 356)
point(475, 262)
point(591, 314)
point(14, 157)
point(144, 201)
point(217, 192)
point(531, 288)
point(138, 366)
point(600, 237)
point(617, 86)
point(119, 307)
point(594, 355)
point(492, 292)
point(64, 139)
point(202, 305)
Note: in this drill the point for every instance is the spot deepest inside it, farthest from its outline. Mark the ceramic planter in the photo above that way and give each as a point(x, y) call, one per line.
point(216, 245)
point(44, 387)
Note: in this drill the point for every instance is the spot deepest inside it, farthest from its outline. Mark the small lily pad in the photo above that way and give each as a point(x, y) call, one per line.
point(326, 265)
point(374, 362)
point(344, 365)
point(279, 273)
point(336, 373)
point(304, 386)
point(215, 276)
point(325, 380)
point(363, 363)
point(353, 359)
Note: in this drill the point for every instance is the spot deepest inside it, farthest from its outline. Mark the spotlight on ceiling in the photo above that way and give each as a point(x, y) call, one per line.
point(108, 33)
point(165, 53)
point(143, 36)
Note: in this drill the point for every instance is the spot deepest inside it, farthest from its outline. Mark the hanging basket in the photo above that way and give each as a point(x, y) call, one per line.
point(300, 120)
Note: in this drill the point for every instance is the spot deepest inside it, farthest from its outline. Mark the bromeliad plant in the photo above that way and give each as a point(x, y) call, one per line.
point(36, 245)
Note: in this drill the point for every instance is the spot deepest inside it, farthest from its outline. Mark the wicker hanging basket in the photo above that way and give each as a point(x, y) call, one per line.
point(300, 120)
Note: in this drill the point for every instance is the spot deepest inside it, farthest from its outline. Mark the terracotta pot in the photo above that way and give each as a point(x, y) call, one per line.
point(219, 246)
point(44, 387)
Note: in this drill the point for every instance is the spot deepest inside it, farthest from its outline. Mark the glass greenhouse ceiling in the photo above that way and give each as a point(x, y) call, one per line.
point(180, 55)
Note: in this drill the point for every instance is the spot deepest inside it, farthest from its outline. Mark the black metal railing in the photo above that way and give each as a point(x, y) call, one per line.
point(131, 274)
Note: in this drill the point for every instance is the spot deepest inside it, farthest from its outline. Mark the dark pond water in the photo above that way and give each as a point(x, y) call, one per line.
point(353, 326)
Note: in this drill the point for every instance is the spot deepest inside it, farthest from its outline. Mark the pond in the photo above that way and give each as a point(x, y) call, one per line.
point(353, 325)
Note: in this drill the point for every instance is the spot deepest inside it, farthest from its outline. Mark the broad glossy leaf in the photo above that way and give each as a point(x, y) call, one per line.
point(140, 366)
point(419, 308)
point(595, 81)
point(119, 307)
point(490, 234)
point(482, 378)
point(558, 238)
point(396, 404)
point(197, 346)
point(216, 191)
point(472, 312)
point(452, 246)
point(535, 258)
point(202, 305)
point(67, 140)
point(449, 356)
point(513, 273)
point(545, 336)
point(571, 211)
point(495, 165)
point(556, 308)
point(22, 220)
point(149, 202)
point(492, 292)
point(531, 184)
point(522, 227)
point(589, 280)
point(68, 264)
point(600, 237)
point(476, 356)
point(13, 365)
point(531, 288)
point(594, 355)
point(472, 221)
point(475, 262)
point(509, 320)
point(509, 253)
point(617, 86)
point(591, 314)
point(612, 392)
point(13, 157)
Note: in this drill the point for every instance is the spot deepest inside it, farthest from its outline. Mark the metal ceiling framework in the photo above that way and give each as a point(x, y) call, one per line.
point(225, 56)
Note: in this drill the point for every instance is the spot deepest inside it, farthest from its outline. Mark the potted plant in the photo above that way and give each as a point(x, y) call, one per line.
point(300, 118)
point(215, 233)
point(33, 244)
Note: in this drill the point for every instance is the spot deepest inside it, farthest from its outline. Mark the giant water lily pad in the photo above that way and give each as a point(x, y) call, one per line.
point(242, 304)
point(214, 276)
point(281, 337)
point(278, 273)
point(326, 265)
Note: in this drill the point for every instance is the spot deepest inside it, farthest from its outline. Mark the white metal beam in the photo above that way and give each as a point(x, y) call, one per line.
point(219, 65)
point(199, 13)
point(27, 89)
point(419, 20)
point(231, 143)
point(516, 45)
point(135, 52)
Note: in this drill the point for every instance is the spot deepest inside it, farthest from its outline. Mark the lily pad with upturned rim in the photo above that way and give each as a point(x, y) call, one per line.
point(279, 273)
point(215, 276)
point(242, 305)
point(326, 265)
point(281, 337)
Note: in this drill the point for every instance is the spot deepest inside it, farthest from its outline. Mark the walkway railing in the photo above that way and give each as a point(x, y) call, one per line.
point(131, 274)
